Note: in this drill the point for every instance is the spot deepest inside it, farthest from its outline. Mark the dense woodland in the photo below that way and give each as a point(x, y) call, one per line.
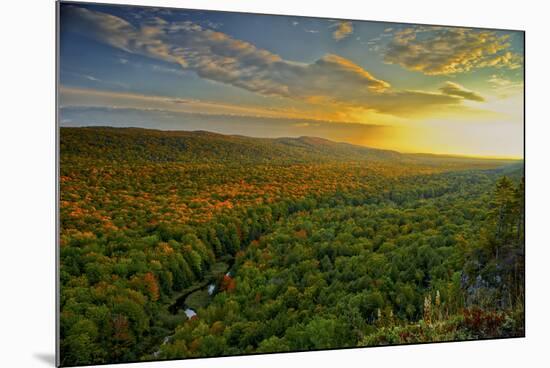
point(308, 244)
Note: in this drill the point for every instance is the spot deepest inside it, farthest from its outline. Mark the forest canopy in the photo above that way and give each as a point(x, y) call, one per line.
point(194, 244)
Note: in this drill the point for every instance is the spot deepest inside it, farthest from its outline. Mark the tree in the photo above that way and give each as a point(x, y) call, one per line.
point(152, 285)
point(273, 344)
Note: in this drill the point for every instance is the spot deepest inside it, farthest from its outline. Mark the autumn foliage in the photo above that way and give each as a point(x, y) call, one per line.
point(330, 245)
point(228, 284)
point(151, 285)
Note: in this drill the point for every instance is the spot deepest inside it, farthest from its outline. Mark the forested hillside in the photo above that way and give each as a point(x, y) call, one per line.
point(191, 244)
point(128, 144)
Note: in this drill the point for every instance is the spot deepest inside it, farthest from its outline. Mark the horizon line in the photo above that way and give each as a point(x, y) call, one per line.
point(449, 155)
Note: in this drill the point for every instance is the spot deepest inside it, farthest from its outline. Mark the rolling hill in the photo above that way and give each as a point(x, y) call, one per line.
point(127, 144)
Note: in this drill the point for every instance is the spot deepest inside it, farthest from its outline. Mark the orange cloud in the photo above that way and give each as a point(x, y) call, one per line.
point(455, 89)
point(343, 30)
point(441, 50)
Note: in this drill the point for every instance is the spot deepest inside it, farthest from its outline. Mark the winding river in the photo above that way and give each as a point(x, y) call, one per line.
point(209, 285)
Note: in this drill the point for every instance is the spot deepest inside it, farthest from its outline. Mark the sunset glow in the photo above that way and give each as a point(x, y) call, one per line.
point(402, 87)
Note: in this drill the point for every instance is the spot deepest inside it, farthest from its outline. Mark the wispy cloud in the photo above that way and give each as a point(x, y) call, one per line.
point(343, 30)
point(455, 89)
point(163, 69)
point(441, 50)
point(504, 87)
point(213, 25)
point(501, 83)
point(256, 126)
point(90, 77)
point(96, 81)
point(497, 81)
point(94, 97)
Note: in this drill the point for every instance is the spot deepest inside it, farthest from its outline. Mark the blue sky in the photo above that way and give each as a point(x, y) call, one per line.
point(410, 88)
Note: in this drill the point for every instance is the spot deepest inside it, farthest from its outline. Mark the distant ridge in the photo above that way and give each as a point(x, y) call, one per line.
point(204, 146)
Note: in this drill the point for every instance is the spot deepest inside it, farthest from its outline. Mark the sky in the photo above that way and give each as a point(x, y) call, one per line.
point(410, 88)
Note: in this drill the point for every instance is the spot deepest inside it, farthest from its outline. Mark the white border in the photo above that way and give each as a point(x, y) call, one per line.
point(27, 184)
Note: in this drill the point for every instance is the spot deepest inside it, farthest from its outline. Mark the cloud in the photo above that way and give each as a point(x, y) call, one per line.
point(411, 103)
point(503, 87)
point(163, 69)
point(331, 81)
point(216, 56)
point(455, 89)
point(337, 70)
point(305, 124)
point(343, 30)
point(498, 81)
point(255, 126)
point(95, 80)
point(91, 77)
point(440, 50)
point(93, 97)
